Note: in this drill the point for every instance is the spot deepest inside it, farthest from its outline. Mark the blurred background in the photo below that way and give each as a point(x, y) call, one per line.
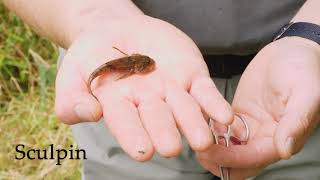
point(27, 75)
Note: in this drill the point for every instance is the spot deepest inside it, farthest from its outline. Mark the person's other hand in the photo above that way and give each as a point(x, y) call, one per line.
point(279, 96)
point(144, 112)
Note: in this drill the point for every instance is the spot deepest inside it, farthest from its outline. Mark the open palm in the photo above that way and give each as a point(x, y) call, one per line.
point(272, 98)
point(144, 112)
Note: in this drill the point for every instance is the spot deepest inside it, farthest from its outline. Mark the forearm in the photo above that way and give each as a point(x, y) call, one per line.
point(309, 12)
point(61, 21)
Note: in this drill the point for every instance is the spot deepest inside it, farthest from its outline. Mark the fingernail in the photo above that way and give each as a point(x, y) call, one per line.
point(83, 112)
point(289, 144)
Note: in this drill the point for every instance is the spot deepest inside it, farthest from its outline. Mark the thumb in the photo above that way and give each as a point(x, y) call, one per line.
point(296, 125)
point(73, 102)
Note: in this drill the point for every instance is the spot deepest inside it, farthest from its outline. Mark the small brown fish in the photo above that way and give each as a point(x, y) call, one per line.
point(135, 63)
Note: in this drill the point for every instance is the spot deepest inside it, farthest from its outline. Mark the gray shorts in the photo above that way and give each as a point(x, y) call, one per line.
point(106, 160)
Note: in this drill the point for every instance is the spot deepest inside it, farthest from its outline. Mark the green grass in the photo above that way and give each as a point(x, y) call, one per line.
point(27, 74)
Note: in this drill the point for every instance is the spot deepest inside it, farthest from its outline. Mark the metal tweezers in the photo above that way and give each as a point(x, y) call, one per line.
point(224, 171)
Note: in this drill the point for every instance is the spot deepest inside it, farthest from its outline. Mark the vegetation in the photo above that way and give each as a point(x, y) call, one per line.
point(27, 75)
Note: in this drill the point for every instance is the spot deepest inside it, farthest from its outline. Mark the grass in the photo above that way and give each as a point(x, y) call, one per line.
point(27, 74)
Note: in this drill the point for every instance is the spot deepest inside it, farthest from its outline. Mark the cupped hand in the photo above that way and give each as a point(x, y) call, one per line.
point(144, 112)
point(279, 97)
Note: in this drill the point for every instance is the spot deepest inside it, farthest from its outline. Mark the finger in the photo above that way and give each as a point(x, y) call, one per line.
point(189, 118)
point(160, 125)
point(235, 173)
point(257, 153)
point(73, 103)
point(208, 96)
point(297, 123)
point(123, 120)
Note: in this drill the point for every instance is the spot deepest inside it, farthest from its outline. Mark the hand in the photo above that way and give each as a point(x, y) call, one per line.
point(279, 97)
point(143, 112)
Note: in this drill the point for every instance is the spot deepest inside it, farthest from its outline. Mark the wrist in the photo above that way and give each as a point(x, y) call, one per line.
point(299, 42)
point(84, 18)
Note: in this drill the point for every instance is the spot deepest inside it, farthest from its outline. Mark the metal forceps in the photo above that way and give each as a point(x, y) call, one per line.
point(224, 171)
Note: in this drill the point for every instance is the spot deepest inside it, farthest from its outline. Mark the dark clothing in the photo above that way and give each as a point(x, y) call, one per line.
point(225, 26)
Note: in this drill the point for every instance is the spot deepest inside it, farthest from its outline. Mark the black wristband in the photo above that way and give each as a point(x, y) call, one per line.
point(300, 29)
